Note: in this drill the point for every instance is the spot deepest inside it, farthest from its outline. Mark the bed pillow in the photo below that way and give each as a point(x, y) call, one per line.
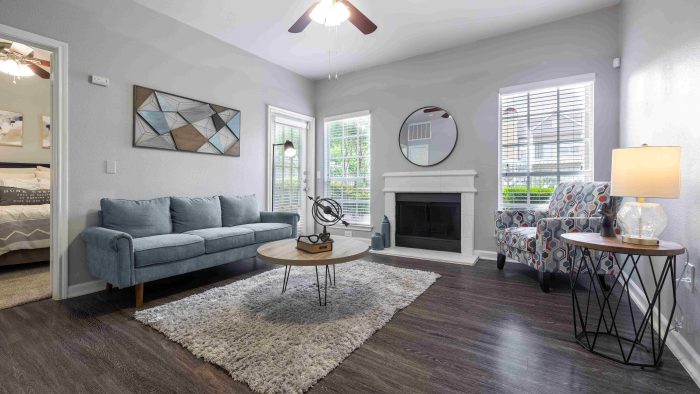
point(236, 210)
point(29, 184)
point(18, 196)
point(138, 218)
point(13, 171)
point(28, 175)
point(195, 213)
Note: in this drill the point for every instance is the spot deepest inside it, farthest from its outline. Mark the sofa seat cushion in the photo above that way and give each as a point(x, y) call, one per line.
point(166, 248)
point(267, 232)
point(522, 238)
point(223, 238)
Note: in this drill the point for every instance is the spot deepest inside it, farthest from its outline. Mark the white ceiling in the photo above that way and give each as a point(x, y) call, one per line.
point(406, 27)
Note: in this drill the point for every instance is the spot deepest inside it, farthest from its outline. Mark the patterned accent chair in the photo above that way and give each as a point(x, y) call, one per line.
point(532, 237)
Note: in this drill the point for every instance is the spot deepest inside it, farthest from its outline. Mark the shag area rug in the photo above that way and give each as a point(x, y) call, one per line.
point(286, 342)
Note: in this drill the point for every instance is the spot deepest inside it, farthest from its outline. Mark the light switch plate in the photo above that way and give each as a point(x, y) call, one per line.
point(111, 166)
point(98, 80)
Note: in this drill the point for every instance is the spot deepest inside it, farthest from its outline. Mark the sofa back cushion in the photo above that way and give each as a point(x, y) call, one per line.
point(578, 199)
point(237, 210)
point(195, 213)
point(138, 218)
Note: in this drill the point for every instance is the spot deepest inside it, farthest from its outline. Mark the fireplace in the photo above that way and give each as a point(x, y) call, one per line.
point(429, 221)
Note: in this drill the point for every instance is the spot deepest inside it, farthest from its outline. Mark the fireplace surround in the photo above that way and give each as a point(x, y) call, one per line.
point(459, 182)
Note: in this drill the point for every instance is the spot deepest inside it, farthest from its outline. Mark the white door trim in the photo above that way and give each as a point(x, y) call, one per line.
point(310, 159)
point(59, 152)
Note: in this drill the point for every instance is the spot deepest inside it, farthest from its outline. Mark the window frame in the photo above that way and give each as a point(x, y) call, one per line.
point(326, 164)
point(535, 86)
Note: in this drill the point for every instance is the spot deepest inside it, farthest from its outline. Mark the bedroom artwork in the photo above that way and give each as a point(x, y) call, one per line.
point(167, 121)
point(11, 128)
point(46, 132)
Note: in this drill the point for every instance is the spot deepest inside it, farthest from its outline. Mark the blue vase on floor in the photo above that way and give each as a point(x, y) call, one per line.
point(386, 232)
point(377, 241)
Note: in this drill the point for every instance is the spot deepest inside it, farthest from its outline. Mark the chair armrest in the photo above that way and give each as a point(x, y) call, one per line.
point(518, 218)
point(291, 218)
point(110, 255)
point(550, 250)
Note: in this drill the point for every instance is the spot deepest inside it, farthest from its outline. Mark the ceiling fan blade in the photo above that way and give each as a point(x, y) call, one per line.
point(359, 19)
point(40, 72)
point(42, 62)
point(303, 21)
point(432, 109)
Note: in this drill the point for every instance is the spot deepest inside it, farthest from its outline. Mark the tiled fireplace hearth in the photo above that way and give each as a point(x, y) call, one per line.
point(433, 183)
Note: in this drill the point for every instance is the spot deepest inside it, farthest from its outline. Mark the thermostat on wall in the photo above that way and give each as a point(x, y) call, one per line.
point(98, 80)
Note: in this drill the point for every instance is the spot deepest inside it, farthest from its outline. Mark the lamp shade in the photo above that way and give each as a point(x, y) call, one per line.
point(646, 171)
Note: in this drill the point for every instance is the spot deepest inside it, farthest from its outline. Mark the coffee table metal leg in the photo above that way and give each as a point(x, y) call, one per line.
point(285, 280)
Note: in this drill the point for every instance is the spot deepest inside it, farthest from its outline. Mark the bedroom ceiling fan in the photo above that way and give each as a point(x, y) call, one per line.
point(18, 60)
point(333, 13)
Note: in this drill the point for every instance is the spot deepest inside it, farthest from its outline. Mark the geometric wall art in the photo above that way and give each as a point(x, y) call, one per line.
point(168, 121)
point(11, 130)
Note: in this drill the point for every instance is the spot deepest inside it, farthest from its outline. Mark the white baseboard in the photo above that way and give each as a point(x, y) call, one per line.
point(86, 288)
point(677, 344)
point(486, 254)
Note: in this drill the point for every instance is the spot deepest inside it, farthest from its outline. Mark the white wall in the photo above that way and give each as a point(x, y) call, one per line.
point(465, 81)
point(660, 94)
point(32, 97)
point(132, 44)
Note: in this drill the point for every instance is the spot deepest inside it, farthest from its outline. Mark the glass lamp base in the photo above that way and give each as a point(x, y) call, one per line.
point(641, 222)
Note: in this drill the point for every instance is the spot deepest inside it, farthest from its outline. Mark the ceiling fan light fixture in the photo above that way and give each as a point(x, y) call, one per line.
point(14, 68)
point(330, 13)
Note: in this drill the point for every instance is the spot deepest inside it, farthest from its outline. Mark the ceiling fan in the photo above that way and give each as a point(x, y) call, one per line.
point(18, 60)
point(436, 109)
point(333, 13)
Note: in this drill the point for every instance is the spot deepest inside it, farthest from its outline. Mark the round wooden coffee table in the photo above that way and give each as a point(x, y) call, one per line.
point(285, 253)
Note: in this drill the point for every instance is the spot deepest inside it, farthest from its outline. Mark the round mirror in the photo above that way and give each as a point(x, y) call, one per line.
point(428, 136)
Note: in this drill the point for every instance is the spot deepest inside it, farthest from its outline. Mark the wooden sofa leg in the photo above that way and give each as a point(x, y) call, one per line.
point(545, 279)
point(500, 261)
point(108, 287)
point(139, 295)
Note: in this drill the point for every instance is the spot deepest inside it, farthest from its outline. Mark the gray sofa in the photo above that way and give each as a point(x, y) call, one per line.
point(142, 241)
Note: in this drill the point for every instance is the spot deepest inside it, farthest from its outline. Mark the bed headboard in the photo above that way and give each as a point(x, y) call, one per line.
point(22, 165)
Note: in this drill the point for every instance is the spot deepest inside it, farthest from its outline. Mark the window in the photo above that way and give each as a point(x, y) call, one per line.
point(348, 165)
point(287, 171)
point(545, 137)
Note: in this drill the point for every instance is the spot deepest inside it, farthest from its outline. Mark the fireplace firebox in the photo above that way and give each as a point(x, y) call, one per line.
point(428, 221)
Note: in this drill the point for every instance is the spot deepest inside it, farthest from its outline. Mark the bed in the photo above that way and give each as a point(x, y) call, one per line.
point(24, 229)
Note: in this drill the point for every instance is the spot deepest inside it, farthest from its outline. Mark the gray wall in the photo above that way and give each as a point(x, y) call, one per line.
point(132, 44)
point(32, 97)
point(465, 81)
point(660, 92)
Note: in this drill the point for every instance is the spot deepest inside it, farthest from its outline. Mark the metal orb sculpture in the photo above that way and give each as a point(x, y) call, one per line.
point(326, 212)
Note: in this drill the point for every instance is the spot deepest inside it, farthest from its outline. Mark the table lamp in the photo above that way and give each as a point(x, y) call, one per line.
point(643, 172)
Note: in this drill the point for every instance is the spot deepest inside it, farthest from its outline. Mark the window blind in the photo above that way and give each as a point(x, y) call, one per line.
point(348, 166)
point(546, 137)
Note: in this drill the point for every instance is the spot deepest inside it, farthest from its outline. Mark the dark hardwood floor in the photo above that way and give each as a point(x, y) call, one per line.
point(477, 329)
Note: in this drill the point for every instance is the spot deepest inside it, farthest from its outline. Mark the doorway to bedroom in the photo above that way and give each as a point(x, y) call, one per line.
point(25, 176)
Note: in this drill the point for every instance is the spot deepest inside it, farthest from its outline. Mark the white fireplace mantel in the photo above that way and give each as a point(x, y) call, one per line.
point(458, 181)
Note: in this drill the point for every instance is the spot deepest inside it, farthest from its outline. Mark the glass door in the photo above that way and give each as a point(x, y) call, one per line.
point(290, 177)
